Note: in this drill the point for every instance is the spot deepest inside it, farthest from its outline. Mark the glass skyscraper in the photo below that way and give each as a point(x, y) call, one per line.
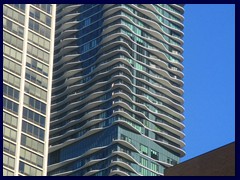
point(28, 47)
point(117, 105)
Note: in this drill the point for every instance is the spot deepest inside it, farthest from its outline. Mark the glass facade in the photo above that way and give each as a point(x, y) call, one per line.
point(117, 105)
point(28, 42)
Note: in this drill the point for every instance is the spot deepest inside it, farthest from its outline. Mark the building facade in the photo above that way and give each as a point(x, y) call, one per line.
point(218, 162)
point(117, 105)
point(28, 47)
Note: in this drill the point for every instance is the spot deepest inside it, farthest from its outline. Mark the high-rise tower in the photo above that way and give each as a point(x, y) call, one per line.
point(28, 47)
point(117, 106)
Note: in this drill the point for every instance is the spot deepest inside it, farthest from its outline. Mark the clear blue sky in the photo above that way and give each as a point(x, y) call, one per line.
point(209, 69)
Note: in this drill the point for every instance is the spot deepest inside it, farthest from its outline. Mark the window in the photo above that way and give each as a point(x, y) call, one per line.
point(38, 53)
point(94, 43)
point(144, 149)
point(12, 53)
point(9, 147)
point(29, 170)
point(87, 21)
point(171, 161)
point(32, 130)
point(8, 161)
point(154, 167)
point(10, 106)
point(37, 66)
point(88, 46)
point(12, 66)
point(45, 7)
point(146, 122)
point(31, 157)
point(32, 144)
point(11, 79)
point(144, 162)
point(10, 39)
point(10, 92)
point(9, 119)
point(33, 117)
point(35, 26)
point(9, 133)
point(138, 66)
point(40, 16)
point(128, 139)
point(35, 91)
point(13, 27)
point(152, 173)
point(39, 41)
point(154, 154)
point(35, 104)
point(20, 7)
point(143, 171)
point(16, 16)
point(35, 78)
point(146, 132)
point(7, 172)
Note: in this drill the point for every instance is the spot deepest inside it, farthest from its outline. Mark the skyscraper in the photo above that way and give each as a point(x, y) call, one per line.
point(28, 47)
point(117, 106)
